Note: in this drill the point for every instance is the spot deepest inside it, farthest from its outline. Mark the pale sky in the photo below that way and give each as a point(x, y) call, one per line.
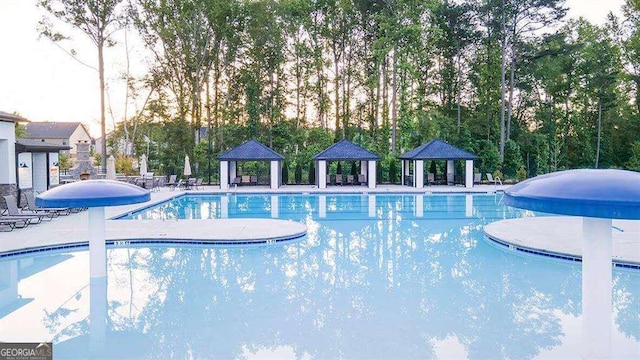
point(42, 83)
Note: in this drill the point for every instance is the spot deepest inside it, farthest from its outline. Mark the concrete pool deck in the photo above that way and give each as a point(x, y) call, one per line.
point(552, 235)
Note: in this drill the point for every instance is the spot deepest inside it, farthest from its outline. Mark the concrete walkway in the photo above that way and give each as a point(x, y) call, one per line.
point(561, 236)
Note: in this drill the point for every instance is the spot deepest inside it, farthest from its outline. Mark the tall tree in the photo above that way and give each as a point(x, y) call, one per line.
point(98, 19)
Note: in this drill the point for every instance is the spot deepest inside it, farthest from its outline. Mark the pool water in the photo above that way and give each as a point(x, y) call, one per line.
point(377, 276)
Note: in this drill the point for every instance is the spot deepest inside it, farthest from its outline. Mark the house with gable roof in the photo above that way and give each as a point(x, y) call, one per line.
point(59, 133)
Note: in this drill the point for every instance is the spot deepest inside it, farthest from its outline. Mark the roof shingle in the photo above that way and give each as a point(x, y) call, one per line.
point(437, 150)
point(51, 130)
point(250, 151)
point(346, 150)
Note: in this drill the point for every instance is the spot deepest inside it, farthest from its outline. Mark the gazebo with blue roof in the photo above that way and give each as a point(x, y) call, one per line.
point(251, 150)
point(347, 151)
point(437, 150)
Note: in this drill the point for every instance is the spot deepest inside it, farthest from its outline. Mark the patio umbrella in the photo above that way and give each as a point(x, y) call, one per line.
point(143, 165)
point(111, 168)
point(187, 166)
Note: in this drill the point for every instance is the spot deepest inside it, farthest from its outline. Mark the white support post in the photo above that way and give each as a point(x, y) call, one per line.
point(224, 175)
point(233, 169)
point(372, 205)
point(322, 206)
point(419, 206)
point(403, 163)
point(468, 174)
point(371, 177)
point(419, 174)
point(274, 174)
point(97, 248)
point(596, 288)
point(322, 174)
point(97, 316)
point(450, 172)
point(224, 206)
point(274, 206)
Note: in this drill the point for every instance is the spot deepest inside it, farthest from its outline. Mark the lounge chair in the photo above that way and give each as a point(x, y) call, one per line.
point(350, 179)
point(328, 179)
point(245, 180)
point(362, 179)
point(235, 181)
point(191, 183)
point(172, 181)
point(254, 180)
point(179, 184)
point(477, 178)
point(493, 180)
point(198, 184)
point(13, 223)
point(338, 179)
point(31, 206)
point(431, 178)
point(13, 211)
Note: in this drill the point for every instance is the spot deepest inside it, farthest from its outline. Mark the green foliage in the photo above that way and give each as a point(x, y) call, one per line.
point(124, 165)
point(63, 161)
point(97, 159)
point(285, 173)
point(393, 171)
point(298, 173)
point(634, 161)
point(521, 174)
point(512, 159)
point(489, 157)
point(311, 173)
point(20, 131)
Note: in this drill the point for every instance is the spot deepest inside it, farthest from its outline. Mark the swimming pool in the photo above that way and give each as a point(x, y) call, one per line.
point(378, 276)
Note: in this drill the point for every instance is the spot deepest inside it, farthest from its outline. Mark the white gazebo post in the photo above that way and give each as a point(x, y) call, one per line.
point(371, 176)
point(403, 163)
point(321, 169)
point(418, 170)
point(450, 171)
point(274, 174)
point(468, 174)
point(233, 169)
point(224, 174)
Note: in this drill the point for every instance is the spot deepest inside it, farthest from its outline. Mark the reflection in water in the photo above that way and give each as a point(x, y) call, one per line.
point(391, 285)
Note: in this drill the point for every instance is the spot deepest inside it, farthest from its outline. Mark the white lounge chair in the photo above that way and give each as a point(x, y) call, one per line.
point(493, 180)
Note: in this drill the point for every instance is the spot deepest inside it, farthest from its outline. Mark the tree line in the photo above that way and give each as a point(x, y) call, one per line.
point(513, 81)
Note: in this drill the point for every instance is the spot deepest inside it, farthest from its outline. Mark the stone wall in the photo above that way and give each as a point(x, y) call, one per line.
point(7, 189)
point(84, 168)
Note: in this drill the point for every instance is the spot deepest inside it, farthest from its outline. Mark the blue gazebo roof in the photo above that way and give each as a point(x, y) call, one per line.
point(437, 150)
point(609, 194)
point(346, 150)
point(250, 151)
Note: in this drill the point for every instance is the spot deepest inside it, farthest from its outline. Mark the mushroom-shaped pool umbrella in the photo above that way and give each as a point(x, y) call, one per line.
point(95, 195)
point(598, 196)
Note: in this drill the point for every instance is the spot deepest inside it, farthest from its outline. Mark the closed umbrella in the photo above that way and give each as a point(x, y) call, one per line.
point(187, 166)
point(111, 168)
point(143, 165)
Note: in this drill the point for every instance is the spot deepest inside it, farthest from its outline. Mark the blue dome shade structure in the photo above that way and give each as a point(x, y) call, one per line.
point(607, 194)
point(93, 193)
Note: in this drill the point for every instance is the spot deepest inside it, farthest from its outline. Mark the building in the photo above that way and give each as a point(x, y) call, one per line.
point(8, 185)
point(59, 133)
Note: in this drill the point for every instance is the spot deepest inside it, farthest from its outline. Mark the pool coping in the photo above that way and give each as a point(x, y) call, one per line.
point(560, 237)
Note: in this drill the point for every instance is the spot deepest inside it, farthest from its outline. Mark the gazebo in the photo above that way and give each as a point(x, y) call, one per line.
point(251, 150)
point(436, 150)
point(38, 164)
point(345, 150)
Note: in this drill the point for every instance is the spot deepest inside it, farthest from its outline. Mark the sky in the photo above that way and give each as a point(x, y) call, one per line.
point(42, 83)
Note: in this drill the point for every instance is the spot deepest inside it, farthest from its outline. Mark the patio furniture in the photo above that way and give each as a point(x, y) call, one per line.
point(328, 179)
point(431, 178)
point(362, 179)
point(235, 181)
point(172, 180)
point(493, 180)
point(198, 184)
point(12, 222)
point(254, 180)
point(350, 179)
point(13, 211)
point(338, 179)
point(477, 178)
point(245, 180)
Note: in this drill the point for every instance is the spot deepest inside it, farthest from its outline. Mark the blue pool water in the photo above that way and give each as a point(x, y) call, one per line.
point(377, 276)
